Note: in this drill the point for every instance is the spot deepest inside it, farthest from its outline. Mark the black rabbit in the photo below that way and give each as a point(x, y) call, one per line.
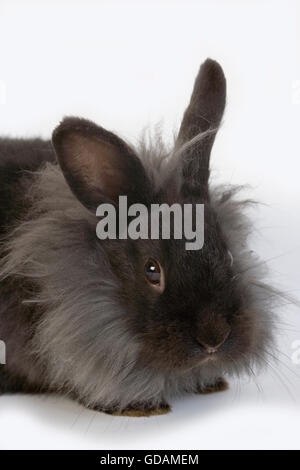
point(124, 325)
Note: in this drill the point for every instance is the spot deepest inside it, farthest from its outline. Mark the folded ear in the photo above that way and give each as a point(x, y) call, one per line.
point(200, 124)
point(98, 166)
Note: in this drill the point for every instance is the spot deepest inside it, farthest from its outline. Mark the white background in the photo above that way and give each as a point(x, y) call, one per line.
point(128, 65)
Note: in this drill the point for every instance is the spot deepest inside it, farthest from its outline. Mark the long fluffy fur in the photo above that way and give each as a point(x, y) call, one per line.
point(80, 344)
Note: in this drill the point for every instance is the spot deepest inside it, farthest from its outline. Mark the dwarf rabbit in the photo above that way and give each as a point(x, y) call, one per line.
point(124, 325)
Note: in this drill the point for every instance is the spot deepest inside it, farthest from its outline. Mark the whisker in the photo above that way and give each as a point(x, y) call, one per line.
point(277, 374)
point(281, 362)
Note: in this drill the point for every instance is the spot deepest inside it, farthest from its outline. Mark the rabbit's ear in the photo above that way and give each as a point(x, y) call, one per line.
point(98, 166)
point(200, 124)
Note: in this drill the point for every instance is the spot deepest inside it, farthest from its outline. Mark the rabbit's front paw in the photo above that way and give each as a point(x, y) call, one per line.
point(141, 410)
point(220, 385)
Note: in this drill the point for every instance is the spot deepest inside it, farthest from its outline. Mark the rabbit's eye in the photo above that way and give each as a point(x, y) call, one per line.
point(154, 274)
point(152, 269)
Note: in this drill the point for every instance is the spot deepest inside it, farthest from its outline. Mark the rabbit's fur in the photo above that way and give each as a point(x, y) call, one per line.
point(76, 313)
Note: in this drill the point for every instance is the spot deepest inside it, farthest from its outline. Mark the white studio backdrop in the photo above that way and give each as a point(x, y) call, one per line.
point(130, 65)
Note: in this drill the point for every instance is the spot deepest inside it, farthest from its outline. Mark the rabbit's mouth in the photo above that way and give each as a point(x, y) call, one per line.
point(211, 358)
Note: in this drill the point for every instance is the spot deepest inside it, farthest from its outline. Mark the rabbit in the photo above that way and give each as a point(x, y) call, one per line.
point(124, 326)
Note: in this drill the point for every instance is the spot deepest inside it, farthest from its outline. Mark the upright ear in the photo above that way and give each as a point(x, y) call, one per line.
point(200, 124)
point(98, 166)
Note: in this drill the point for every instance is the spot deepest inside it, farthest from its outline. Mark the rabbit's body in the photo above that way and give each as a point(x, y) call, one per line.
point(77, 314)
point(18, 159)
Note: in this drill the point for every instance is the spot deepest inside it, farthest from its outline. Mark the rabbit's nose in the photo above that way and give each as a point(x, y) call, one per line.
point(213, 346)
point(210, 349)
